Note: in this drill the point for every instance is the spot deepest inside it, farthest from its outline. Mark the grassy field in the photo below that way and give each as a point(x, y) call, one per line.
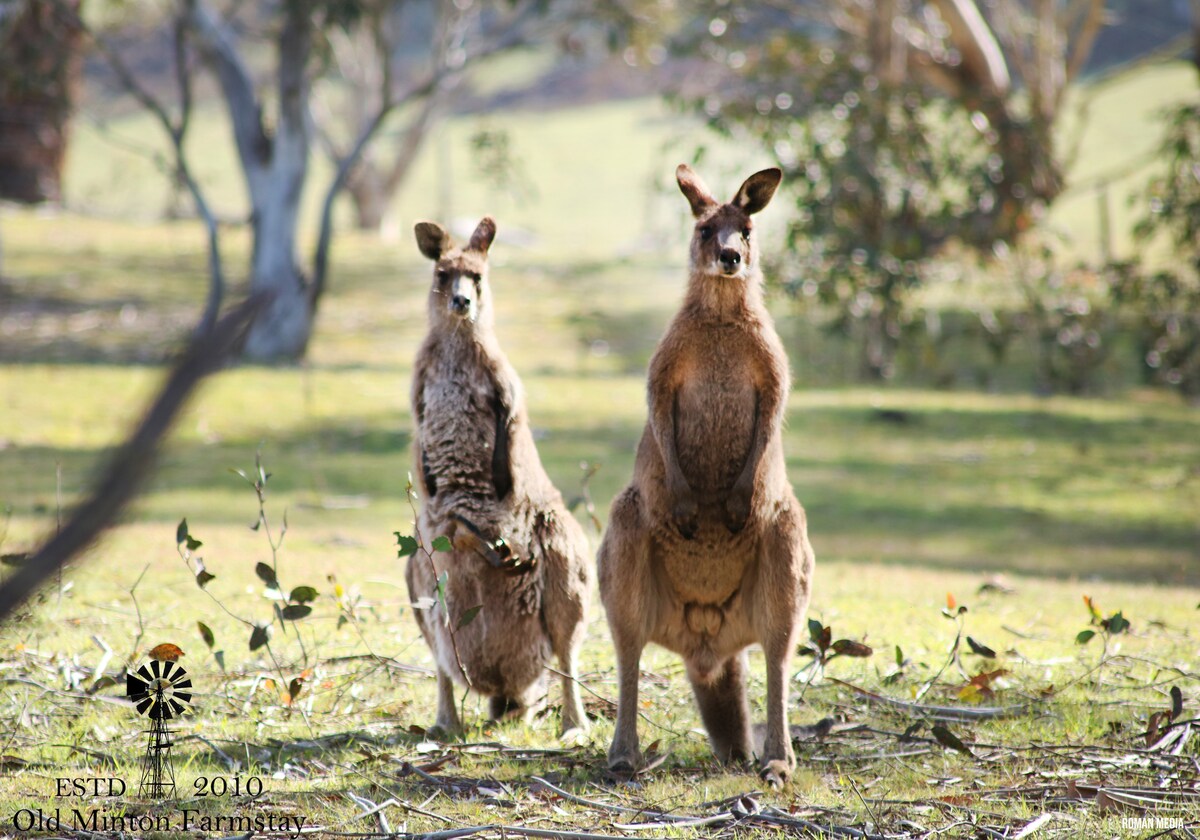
point(1060, 498)
point(1014, 506)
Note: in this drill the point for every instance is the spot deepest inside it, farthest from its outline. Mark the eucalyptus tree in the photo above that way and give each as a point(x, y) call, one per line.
point(271, 114)
point(904, 125)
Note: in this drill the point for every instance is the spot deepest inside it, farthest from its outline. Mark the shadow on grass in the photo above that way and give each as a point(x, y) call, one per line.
point(944, 488)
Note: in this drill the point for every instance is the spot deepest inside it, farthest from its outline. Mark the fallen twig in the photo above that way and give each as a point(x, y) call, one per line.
point(1033, 826)
point(591, 803)
point(944, 712)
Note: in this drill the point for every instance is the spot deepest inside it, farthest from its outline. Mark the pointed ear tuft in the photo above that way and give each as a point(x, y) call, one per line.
point(484, 233)
point(693, 190)
point(756, 192)
point(432, 239)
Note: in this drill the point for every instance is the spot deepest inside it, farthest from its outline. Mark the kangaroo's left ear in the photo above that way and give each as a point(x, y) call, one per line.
point(484, 233)
point(755, 193)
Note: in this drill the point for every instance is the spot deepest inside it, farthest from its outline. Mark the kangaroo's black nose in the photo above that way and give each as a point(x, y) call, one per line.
point(730, 257)
point(460, 303)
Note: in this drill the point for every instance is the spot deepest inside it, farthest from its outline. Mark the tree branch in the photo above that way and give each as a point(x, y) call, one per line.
point(253, 145)
point(1084, 40)
point(508, 36)
point(982, 57)
point(177, 132)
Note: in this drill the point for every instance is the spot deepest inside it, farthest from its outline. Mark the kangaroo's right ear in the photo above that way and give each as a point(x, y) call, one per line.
point(694, 191)
point(484, 233)
point(432, 239)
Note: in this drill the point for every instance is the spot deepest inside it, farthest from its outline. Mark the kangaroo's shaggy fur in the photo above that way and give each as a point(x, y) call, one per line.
point(518, 554)
point(707, 549)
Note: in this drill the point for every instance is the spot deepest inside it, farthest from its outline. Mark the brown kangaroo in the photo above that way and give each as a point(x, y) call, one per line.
point(707, 549)
point(518, 554)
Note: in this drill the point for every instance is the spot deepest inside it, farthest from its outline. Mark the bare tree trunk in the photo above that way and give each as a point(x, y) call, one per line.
point(372, 188)
point(365, 187)
point(275, 166)
point(39, 74)
point(284, 327)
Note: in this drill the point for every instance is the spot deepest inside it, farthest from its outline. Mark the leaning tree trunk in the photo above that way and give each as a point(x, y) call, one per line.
point(367, 192)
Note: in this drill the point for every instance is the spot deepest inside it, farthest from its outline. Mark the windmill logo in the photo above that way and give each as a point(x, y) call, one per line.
point(160, 690)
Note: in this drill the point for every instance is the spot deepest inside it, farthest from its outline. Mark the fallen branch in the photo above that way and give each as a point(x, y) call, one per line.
point(664, 820)
point(520, 831)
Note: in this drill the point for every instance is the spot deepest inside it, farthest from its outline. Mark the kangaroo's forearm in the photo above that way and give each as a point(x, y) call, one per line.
point(765, 420)
point(501, 462)
point(664, 434)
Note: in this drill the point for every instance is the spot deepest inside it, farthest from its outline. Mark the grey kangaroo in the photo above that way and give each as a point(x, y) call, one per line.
point(707, 549)
point(518, 554)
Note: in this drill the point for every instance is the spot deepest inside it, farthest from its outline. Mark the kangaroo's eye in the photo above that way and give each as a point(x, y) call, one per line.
point(745, 233)
point(706, 232)
point(442, 275)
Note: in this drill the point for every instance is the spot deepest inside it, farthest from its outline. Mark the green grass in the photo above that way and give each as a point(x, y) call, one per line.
point(1058, 497)
point(1063, 497)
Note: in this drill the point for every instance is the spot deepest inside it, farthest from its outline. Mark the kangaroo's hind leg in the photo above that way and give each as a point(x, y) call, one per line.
point(565, 606)
point(781, 598)
point(447, 710)
point(626, 587)
point(725, 710)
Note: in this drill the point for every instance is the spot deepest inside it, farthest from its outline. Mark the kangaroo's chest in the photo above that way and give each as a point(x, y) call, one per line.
point(715, 411)
point(458, 432)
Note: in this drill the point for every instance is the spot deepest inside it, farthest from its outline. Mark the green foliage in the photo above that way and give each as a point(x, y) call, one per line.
point(495, 162)
point(1114, 625)
point(267, 575)
point(1068, 316)
point(414, 549)
point(824, 648)
point(469, 615)
point(406, 546)
point(1163, 305)
point(290, 609)
point(260, 634)
point(303, 594)
point(206, 634)
point(1163, 311)
point(1173, 197)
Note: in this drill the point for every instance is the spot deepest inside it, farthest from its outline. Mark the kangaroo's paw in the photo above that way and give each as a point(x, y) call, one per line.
point(775, 773)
